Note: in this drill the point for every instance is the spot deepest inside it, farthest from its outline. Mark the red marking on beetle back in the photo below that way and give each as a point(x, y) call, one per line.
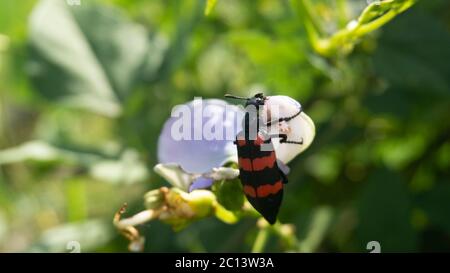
point(266, 190)
point(241, 140)
point(245, 164)
point(249, 191)
point(259, 140)
point(261, 163)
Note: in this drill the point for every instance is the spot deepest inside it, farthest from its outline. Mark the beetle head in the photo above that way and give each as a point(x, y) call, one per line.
point(257, 100)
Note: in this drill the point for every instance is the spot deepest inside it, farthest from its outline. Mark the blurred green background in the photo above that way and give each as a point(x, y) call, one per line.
point(85, 89)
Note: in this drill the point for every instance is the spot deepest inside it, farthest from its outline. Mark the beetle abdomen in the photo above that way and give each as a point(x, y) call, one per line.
point(260, 176)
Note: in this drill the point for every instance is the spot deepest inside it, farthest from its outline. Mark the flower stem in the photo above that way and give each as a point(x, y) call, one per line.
point(261, 240)
point(378, 23)
point(343, 40)
point(317, 230)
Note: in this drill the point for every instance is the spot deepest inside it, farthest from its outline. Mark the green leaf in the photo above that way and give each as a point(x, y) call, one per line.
point(127, 169)
point(84, 56)
point(120, 46)
point(229, 194)
point(109, 165)
point(41, 151)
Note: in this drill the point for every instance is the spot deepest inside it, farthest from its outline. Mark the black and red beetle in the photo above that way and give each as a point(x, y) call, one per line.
point(260, 172)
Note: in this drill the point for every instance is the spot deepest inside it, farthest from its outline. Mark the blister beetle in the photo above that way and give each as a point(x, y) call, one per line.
point(260, 172)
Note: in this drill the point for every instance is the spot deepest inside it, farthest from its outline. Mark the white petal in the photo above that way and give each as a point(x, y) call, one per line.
point(175, 175)
point(301, 127)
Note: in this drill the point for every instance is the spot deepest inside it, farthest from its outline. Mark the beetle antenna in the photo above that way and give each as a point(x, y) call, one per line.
point(235, 97)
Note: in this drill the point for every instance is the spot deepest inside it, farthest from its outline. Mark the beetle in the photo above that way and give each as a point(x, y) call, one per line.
point(261, 174)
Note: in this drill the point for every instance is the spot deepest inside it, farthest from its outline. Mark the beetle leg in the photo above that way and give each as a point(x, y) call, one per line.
point(284, 119)
point(283, 139)
point(293, 142)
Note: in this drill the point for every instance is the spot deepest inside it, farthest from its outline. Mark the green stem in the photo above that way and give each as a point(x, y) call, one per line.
point(319, 225)
point(308, 13)
point(378, 23)
point(286, 233)
point(344, 39)
point(4, 42)
point(310, 20)
point(210, 4)
point(261, 240)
